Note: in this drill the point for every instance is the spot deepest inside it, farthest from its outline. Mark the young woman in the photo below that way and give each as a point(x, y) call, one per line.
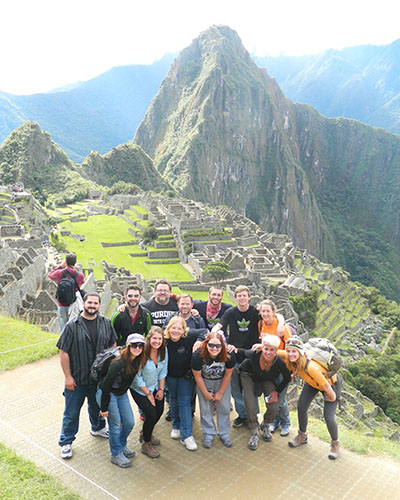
point(259, 374)
point(148, 387)
point(212, 368)
point(272, 323)
point(180, 380)
point(315, 380)
point(113, 399)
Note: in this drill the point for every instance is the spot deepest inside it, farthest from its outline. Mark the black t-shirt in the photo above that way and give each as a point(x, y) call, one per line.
point(180, 356)
point(241, 327)
point(213, 370)
point(91, 326)
point(159, 312)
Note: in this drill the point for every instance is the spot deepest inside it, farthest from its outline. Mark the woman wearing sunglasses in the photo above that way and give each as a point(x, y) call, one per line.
point(212, 368)
point(113, 399)
point(148, 387)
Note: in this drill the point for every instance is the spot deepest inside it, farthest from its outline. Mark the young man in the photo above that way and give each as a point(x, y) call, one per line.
point(162, 305)
point(82, 338)
point(240, 325)
point(213, 308)
point(185, 306)
point(134, 319)
point(69, 267)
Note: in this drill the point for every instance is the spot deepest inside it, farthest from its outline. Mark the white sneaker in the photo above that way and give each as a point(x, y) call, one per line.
point(66, 451)
point(175, 434)
point(102, 433)
point(190, 443)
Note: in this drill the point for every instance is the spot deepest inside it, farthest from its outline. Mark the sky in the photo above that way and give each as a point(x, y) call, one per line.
point(46, 44)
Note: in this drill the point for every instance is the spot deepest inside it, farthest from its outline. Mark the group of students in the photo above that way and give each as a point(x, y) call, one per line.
point(238, 351)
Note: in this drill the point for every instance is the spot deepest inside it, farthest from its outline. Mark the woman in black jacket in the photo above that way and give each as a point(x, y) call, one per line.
point(113, 398)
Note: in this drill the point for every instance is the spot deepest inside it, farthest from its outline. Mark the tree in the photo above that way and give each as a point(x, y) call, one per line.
point(217, 270)
point(149, 234)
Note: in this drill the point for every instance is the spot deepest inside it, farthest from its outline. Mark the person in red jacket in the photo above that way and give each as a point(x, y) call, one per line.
point(69, 266)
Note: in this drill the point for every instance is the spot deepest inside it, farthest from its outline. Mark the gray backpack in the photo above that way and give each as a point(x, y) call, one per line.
point(325, 353)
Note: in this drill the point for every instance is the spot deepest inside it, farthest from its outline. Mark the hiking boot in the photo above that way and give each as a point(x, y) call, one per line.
point(226, 441)
point(239, 421)
point(148, 450)
point(253, 441)
point(175, 434)
point(101, 433)
point(266, 433)
point(121, 460)
point(285, 430)
point(66, 451)
point(301, 438)
point(128, 452)
point(190, 443)
point(154, 441)
point(335, 450)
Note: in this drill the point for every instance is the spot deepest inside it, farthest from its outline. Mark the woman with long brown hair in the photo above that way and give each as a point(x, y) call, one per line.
point(212, 367)
point(148, 388)
point(113, 399)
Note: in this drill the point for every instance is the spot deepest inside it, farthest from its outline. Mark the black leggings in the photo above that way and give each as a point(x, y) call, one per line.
point(152, 413)
point(307, 395)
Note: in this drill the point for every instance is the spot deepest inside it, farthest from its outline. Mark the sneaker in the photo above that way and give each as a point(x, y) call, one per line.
point(285, 430)
point(154, 441)
point(66, 451)
point(101, 433)
point(266, 434)
point(121, 460)
point(335, 450)
point(272, 427)
point(207, 444)
point(238, 421)
point(301, 438)
point(253, 441)
point(190, 443)
point(128, 452)
point(148, 450)
point(168, 416)
point(175, 434)
point(226, 441)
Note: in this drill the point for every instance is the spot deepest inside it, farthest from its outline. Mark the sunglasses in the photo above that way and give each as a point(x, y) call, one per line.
point(138, 345)
point(214, 346)
point(133, 296)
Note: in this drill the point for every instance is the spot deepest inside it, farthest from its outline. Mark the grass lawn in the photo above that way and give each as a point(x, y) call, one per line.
point(113, 229)
point(21, 479)
point(22, 343)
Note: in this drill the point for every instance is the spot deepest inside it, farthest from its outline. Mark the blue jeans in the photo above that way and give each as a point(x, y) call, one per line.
point(237, 393)
point(120, 421)
point(73, 404)
point(180, 395)
point(62, 316)
point(282, 418)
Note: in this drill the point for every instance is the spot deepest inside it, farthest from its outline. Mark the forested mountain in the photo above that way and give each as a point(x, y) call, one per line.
point(94, 115)
point(360, 82)
point(220, 130)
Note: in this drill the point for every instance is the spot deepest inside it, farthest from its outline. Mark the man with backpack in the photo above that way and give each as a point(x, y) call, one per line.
point(69, 281)
point(82, 338)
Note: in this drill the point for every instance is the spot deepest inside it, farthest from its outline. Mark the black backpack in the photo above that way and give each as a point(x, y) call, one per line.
point(102, 362)
point(66, 288)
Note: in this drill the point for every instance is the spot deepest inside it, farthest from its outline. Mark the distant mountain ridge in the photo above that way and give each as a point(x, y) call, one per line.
point(94, 115)
point(360, 82)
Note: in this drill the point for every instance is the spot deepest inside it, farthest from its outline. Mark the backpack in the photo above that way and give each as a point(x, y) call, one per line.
point(102, 362)
point(325, 353)
point(65, 293)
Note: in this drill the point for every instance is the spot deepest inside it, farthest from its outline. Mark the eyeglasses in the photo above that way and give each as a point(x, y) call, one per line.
point(138, 345)
point(214, 346)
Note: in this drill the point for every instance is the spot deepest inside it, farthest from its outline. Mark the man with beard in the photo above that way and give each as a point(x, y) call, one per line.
point(134, 319)
point(162, 304)
point(194, 323)
point(213, 308)
point(82, 339)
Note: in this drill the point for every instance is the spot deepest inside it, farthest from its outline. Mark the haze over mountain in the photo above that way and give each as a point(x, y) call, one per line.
point(221, 131)
point(357, 82)
point(94, 115)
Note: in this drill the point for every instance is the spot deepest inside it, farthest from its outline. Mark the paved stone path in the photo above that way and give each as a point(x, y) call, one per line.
point(31, 406)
